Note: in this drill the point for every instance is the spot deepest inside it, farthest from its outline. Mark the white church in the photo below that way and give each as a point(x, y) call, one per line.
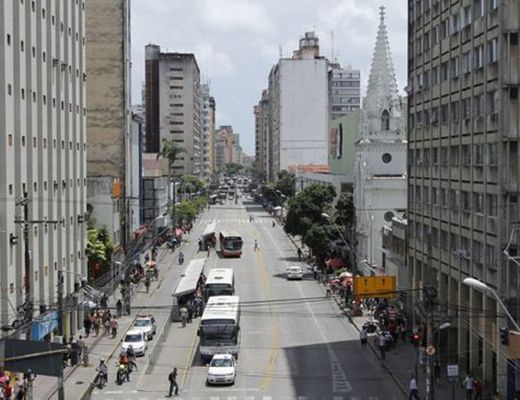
point(380, 191)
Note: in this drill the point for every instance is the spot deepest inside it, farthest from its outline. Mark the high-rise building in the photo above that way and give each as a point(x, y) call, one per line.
point(299, 108)
point(463, 155)
point(43, 155)
point(205, 120)
point(380, 182)
point(261, 112)
point(211, 136)
point(344, 90)
point(109, 155)
point(225, 147)
point(172, 97)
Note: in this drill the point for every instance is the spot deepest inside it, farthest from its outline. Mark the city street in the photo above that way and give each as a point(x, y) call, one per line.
point(294, 342)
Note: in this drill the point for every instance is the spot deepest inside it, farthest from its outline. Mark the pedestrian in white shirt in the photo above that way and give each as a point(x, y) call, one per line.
point(412, 389)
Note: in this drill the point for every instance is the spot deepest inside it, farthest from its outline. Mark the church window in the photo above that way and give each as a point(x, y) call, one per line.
point(387, 157)
point(389, 215)
point(385, 120)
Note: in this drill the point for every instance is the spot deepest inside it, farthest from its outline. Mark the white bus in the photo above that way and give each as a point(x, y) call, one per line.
point(220, 282)
point(230, 244)
point(219, 329)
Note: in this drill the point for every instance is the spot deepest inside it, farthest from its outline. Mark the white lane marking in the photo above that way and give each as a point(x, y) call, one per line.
point(232, 398)
point(267, 398)
point(214, 398)
point(340, 383)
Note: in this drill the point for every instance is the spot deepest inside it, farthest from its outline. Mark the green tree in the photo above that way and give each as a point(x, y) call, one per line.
point(345, 213)
point(192, 184)
point(317, 239)
point(95, 247)
point(186, 209)
point(233, 168)
point(286, 183)
point(170, 151)
point(306, 208)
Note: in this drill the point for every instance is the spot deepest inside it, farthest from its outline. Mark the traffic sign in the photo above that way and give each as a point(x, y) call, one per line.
point(453, 372)
point(430, 350)
point(375, 286)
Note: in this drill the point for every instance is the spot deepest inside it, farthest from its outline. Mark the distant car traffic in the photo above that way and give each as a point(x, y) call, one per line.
point(146, 323)
point(137, 339)
point(222, 370)
point(294, 272)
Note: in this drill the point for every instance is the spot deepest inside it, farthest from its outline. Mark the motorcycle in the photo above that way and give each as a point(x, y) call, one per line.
point(122, 374)
point(101, 380)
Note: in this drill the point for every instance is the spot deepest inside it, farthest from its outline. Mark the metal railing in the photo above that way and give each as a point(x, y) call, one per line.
point(154, 352)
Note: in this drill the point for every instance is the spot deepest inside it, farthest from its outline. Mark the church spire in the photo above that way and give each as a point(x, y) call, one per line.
point(382, 83)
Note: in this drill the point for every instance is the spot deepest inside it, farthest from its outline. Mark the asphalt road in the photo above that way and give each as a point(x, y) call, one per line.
point(294, 343)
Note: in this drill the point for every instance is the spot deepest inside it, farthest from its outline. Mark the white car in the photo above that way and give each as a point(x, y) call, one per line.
point(146, 323)
point(137, 339)
point(294, 272)
point(222, 370)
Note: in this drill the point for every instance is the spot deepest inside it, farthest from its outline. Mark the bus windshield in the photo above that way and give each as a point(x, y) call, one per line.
point(218, 335)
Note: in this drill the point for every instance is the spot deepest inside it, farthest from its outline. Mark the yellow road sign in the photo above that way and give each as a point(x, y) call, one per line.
point(375, 286)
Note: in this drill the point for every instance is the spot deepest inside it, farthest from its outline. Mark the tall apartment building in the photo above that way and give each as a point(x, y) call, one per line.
point(109, 156)
point(172, 97)
point(212, 135)
point(205, 120)
point(344, 90)
point(43, 151)
point(261, 112)
point(299, 108)
point(463, 171)
point(225, 147)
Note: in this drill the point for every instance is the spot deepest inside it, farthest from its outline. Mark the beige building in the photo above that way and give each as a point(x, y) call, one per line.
point(212, 135)
point(463, 156)
point(42, 159)
point(109, 115)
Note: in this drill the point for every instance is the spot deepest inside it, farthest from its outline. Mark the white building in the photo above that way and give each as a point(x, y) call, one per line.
point(380, 183)
point(299, 108)
point(42, 155)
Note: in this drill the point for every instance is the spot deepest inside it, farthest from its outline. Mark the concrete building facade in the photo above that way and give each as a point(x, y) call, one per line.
point(212, 114)
point(262, 138)
point(172, 96)
point(205, 120)
point(463, 158)
point(299, 108)
point(380, 180)
point(43, 152)
point(344, 90)
point(109, 155)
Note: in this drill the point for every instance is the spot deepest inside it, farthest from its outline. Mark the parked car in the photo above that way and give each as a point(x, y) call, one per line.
point(137, 339)
point(294, 272)
point(146, 323)
point(222, 370)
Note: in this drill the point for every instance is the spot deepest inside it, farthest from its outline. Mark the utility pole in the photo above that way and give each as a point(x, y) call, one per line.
point(431, 294)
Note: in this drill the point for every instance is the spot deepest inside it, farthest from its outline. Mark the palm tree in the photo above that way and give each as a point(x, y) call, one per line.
point(170, 151)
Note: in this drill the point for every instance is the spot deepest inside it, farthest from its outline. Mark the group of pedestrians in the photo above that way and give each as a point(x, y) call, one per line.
point(192, 309)
point(12, 390)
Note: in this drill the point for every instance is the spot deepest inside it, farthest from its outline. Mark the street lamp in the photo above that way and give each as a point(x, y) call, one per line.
point(475, 283)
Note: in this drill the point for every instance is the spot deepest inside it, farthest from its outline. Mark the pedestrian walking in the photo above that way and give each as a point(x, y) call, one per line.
point(87, 324)
point(382, 345)
point(172, 377)
point(184, 315)
point(468, 384)
point(478, 389)
point(119, 307)
point(300, 254)
point(97, 325)
point(363, 336)
point(190, 312)
point(412, 389)
point(106, 324)
point(147, 284)
point(256, 245)
point(113, 327)
point(437, 372)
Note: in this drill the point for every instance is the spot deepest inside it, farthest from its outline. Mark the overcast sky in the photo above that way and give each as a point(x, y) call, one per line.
point(236, 42)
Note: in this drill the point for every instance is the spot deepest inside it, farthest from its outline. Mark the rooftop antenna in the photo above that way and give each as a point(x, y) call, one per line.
point(332, 46)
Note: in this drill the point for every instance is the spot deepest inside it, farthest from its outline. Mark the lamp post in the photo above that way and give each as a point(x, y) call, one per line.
point(429, 382)
point(279, 195)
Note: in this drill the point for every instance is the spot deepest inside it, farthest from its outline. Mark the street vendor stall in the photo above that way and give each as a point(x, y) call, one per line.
point(188, 286)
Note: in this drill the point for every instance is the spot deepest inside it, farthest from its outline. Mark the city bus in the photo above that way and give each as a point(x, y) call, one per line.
point(230, 244)
point(220, 282)
point(219, 328)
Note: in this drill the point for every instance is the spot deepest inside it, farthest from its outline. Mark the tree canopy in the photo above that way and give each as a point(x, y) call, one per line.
point(286, 183)
point(192, 184)
point(345, 211)
point(170, 151)
point(233, 168)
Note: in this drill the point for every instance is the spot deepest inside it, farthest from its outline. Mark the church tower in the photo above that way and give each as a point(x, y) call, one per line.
point(380, 182)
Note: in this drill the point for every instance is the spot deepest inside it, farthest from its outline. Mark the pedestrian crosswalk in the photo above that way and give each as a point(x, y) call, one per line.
point(135, 395)
point(257, 220)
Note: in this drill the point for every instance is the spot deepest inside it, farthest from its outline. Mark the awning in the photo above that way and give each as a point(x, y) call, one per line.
point(210, 229)
point(140, 231)
point(44, 325)
point(190, 277)
point(335, 262)
point(178, 232)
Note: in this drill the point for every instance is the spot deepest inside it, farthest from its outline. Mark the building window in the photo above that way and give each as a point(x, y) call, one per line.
point(385, 120)
point(493, 4)
point(8, 39)
point(386, 157)
point(493, 50)
point(389, 215)
point(478, 203)
point(478, 56)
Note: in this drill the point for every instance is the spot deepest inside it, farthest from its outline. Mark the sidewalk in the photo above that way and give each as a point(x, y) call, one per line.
point(77, 379)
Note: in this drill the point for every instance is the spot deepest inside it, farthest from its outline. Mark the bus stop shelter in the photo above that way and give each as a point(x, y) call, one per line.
point(187, 286)
point(208, 236)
